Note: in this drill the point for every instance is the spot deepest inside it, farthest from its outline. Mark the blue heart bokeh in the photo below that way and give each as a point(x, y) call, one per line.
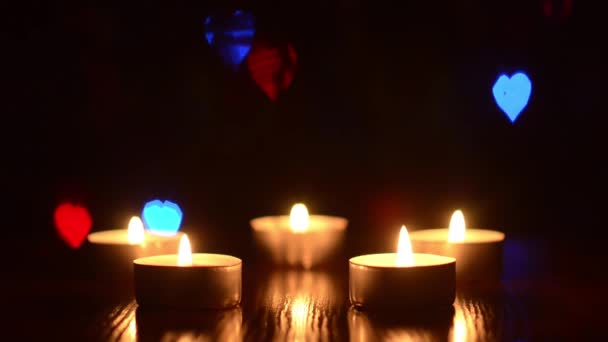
point(231, 36)
point(512, 94)
point(162, 218)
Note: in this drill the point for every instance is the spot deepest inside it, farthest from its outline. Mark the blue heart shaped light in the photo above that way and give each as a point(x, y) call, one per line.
point(512, 94)
point(231, 36)
point(162, 218)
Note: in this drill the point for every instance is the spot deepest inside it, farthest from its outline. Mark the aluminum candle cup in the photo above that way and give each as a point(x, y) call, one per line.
point(376, 282)
point(212, 282)
point(402, 280)
point(188, 281)
point(478, 252)
point(299, 240)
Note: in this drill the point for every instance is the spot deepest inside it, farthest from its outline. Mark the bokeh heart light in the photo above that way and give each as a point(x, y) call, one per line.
point(272, 67)
point(512, 94)
point(231, 36)
point(162, 218)
point(558, 9)
point(73, 223)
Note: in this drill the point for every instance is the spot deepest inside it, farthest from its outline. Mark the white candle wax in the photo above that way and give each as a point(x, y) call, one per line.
point(117, 241)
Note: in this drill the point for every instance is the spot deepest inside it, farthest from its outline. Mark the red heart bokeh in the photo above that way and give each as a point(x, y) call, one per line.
point(73, 223)
point(558, 9)
point(272, 67)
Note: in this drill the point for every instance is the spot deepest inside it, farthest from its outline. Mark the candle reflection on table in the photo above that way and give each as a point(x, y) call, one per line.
point(205, 325)
point(298, 306)
point(368, 326)
point(477, 320)
point(469, 321)
point(459, 327)
point(130, 323)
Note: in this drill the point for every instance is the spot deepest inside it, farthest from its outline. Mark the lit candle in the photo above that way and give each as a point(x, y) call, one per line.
point(299, 239)
point(187, 280)
point(402, 279)
point(134, 240)
point(478, 251)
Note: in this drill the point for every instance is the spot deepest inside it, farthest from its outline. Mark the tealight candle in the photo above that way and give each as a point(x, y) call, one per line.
point(478, 251)
point(299, 239)
point(186, 280)
point(402, 279)
point(134, 241)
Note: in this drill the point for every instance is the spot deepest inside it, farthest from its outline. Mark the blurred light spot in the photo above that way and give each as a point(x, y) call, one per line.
point(459, 327)
point(135, 231)
point(302, 303)
point(121, 324)
point(558, 9)
point(73, 223)
point(512, 94)
point(272, 67)
point(299, 317)
point(367, 327)
point(458, 227)
point(231, 36)
point(162, 218)
point(131, 333)
point(299, 220)
point(184, 255)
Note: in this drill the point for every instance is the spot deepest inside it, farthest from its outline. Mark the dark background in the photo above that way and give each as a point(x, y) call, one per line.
point(390, 118)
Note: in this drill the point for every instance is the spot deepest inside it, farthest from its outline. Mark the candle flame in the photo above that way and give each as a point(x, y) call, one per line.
point(405, 256)
point(457, 227)
point(299, 219)
point(135, 232)
point(184, 255)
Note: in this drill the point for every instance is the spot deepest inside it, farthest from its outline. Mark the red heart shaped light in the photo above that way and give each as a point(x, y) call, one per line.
point(73, 223)
point(272, 67)
point(558, 9)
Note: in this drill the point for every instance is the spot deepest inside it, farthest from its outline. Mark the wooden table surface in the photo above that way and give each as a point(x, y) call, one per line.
point(549, 291)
